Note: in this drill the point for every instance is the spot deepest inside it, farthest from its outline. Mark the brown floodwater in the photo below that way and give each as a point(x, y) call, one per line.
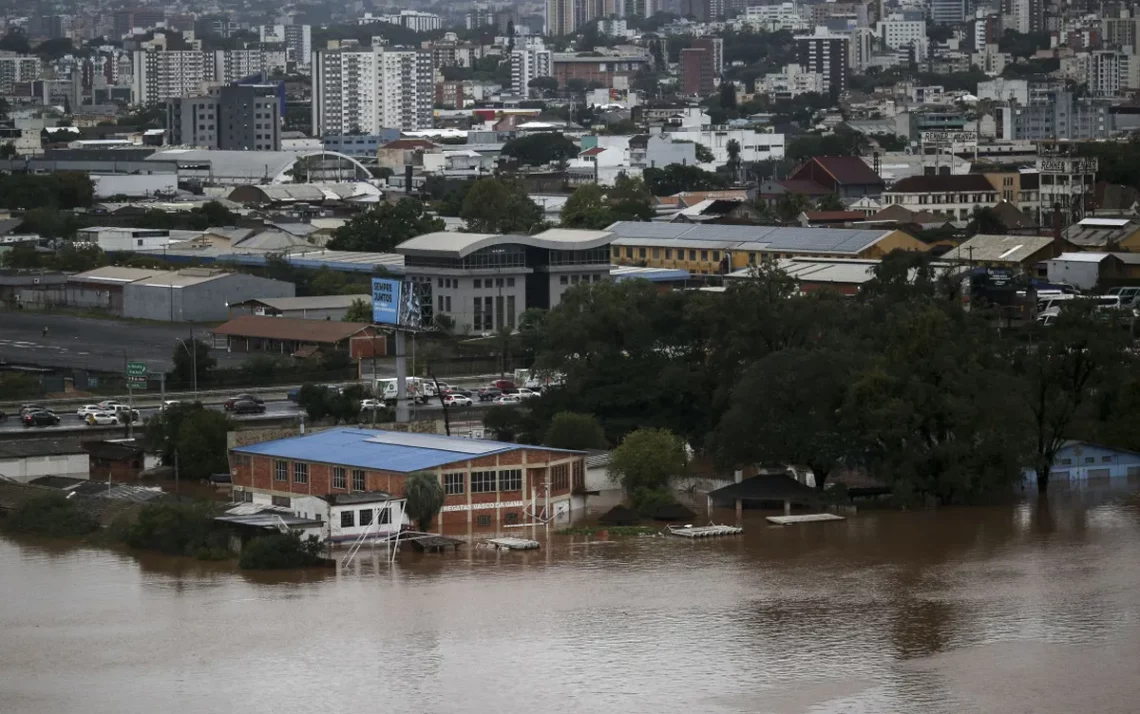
point(1020, 608)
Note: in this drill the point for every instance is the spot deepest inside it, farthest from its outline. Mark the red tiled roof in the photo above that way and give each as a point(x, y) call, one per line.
point(848, 170)
point(285, 328)
point(592, 152)
point(943, 184)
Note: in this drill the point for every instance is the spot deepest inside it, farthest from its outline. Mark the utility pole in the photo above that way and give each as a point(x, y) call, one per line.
point(194, 361)
point(401, 376)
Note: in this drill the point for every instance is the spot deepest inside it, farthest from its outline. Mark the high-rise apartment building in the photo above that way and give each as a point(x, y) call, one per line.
point(1023, 16)
point(827, 54)
point(161, 75)
point(527, 65)
point(947, 12)
point(17, 68)
point(237, 117)
point(298, 41)
point(369, 89)
point(701, 64)
point(561, 17)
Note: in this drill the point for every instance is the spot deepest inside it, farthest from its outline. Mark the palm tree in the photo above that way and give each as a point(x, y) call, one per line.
point(425, 498)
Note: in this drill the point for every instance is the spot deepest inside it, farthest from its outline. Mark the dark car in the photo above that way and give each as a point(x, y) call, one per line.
point(246, 406)
point(25, 408)
point(228, 405)
point(40, 418)
point(489, 394)
point(459, 392)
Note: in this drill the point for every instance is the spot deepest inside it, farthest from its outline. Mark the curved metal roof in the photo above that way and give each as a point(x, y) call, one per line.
point(460, 245)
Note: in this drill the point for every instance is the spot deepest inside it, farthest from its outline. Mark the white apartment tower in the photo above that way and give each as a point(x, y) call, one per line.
point(161, 75)
point(17, 68)
point(527, 65)
point(366, 90)
point(298, 41)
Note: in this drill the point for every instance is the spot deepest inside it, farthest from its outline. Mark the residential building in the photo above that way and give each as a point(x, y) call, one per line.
point(236, 117)
point(774, 18)
point(485, 282)
point(125, 22)
point(1121, 31)
point(411, 19)
point(1055, 115)
point(1023, 16)
point(1107, 72)
point(826, 54)
point(947, 12)
point(25, 460)
point(527, 65)
point(569, 66)
point(754, 145)
point(701, 65)
point(1004, 90)
point(359, 145)
point(159, 75)
point(901, 30)
point(561, 18)
point(954, 195)
point(17, 68)
point(789, 84)
point(486, 484)
point(298, 41)
point(638, 8)
point(237, 65)
point(367, 90)
point(847, 176)
point(720, 249)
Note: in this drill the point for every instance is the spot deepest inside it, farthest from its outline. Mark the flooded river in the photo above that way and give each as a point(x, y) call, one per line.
point(1006, 609)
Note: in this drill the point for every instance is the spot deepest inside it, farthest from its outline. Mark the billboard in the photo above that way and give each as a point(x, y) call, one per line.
point(938, 138)
point(402, 304)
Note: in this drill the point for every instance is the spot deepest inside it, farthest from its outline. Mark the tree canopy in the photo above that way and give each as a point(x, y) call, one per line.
point(381, 228)
point(676, 178)
point(540, 149)
point(646, 464)
point(594, 207)
point(500, 205)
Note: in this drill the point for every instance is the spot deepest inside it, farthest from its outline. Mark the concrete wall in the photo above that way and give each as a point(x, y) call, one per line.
point(25, 469)
point(201, 302)
point(462, 293)
point(98, 296)
point(1080, 274)
point(562, 278)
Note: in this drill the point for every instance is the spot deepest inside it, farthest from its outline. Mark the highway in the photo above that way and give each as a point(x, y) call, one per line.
point(273, 409)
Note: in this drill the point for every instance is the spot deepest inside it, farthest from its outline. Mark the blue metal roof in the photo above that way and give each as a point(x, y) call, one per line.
point(381, 450)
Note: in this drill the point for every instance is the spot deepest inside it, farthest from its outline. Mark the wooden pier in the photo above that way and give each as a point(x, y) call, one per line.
point(712, 530)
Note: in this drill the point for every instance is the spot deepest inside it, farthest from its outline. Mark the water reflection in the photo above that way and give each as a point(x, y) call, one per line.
point(886, 612)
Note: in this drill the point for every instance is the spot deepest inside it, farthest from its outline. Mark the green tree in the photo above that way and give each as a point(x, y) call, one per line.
point(382, 228)
point(985, 220)
point(676, 178)
point(704, 154)
point(178, 529)
point(1059, 372)
point(734, 163)
point(545, 85)
point(425, 498)
point(280, 551)
point(7, 150)
point(630, 199)
point(358, 311)
point(646, 464)
point(586, 208)
point(540, 149)
point(568, 430)
point(500, 205)
point(504, 421)
point(791, 408)
point(201, 444)
point(831, 202)
point(216, 214)
point(190, 354)
point(52, 515)
point(727, 95)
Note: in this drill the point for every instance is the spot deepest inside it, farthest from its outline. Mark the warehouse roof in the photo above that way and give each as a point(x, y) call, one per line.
point(1100, 232)
point(460, 245)
point(183, 278)
point(253, 165)
point(288, 328)
point(401, 452)
point(316, 302)
point(116, 276)
point(999, 248)
point(759, 238)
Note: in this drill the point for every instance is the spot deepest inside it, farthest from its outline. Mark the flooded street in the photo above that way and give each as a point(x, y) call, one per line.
point(1005, 609)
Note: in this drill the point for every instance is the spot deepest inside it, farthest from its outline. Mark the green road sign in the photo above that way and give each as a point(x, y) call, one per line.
point(136, 375)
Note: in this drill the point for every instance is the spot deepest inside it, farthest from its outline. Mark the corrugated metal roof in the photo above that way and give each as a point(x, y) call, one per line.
point(381, 450)
point(318, 302)
point(999, 248)
point(116, 275)
point(771, 238)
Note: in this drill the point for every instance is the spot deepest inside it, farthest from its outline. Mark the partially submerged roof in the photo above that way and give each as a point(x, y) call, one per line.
point(288, 328)
point(400, 452)
point(460, 245)
point(999, 248)
point(766, 487)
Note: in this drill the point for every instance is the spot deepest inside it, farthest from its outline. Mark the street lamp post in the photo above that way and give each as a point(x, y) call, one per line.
point(193, 354)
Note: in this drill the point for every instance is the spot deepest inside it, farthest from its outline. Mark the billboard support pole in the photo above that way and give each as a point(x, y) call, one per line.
point(401, 377)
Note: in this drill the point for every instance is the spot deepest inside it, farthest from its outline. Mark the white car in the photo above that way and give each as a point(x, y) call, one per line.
point(457, 400)
point(109, 404)
point(371, 405)
point(102, 419)
point(508, 399)
point(525, 393)
point(168, 404)
point(82, 412)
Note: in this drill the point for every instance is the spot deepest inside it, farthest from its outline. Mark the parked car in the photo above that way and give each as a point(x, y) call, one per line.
point(124, 413)
point(228, 405)
point(168, 404)
point(458, 391)
point(109, 404)
point(40, 418)
point(508, 399)
point(25, 408)
point(488, 394)
point(506, 386)
point(102, 419)
point(525, 393)
point(371, 405)
point(457, 400)
point(83, 411)
point(246, 406)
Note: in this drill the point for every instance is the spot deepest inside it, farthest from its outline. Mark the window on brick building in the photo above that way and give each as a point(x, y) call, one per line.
point(280, 471)
point(560, 477)
point(300, 472)
point(357, 480)
point(482, 482)
point(347, 519)
point(510, 480)
point(339, 478)
point(454, 484)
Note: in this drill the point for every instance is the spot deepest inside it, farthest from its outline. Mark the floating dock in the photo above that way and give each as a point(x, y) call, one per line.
point(710, 531)
point(507, 543)
point(807, 518)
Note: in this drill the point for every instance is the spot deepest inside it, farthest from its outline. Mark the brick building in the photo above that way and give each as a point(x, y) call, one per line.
point(487, 483)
